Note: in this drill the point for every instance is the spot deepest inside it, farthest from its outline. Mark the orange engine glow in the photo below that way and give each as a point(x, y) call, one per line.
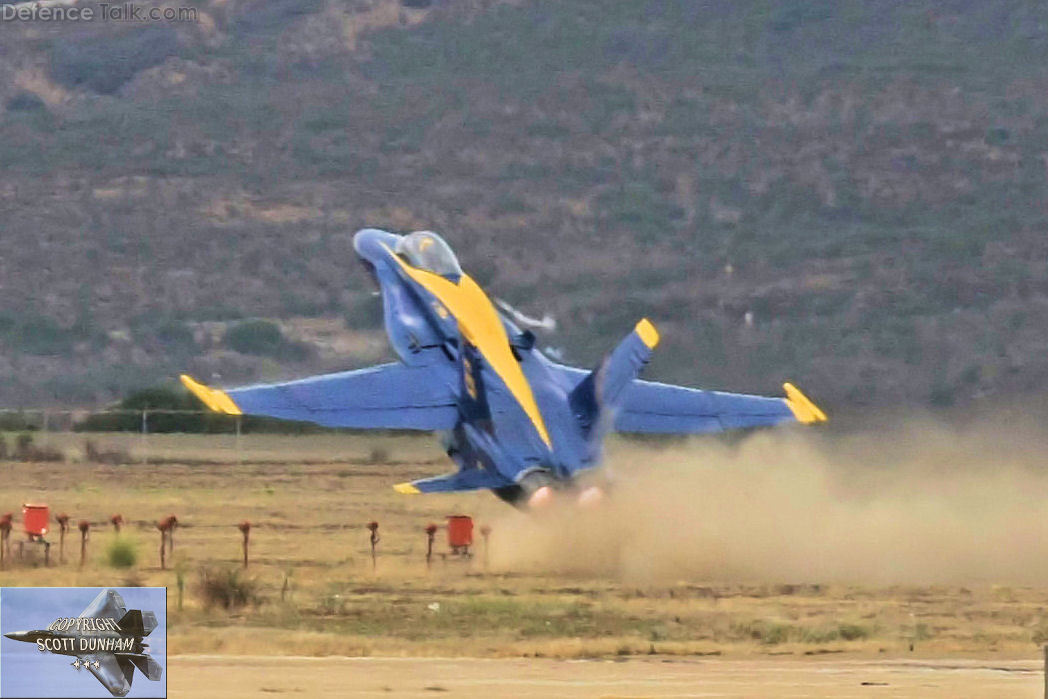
point(591, 497)
point(541, 497)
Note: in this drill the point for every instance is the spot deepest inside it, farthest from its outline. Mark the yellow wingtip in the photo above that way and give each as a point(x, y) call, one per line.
point(406, 489)
point(803, 408)
point(214, 398)
point(648, 334)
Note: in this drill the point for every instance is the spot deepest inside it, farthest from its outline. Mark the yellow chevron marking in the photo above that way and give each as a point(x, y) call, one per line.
point(648, 334)
point(803, 409)
point(406, 489)
point(480, 325)
point(214, 398)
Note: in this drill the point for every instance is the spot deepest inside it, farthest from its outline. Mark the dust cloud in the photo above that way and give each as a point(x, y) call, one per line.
point(918, 503)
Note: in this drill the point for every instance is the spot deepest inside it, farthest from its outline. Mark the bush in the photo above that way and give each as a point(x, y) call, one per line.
point(25, 450)
point(26, 102)
point(128, 415)
point(17, 422)
point(942, 395)
point(175, 336)
point(639, 208)
point(363, 311)
point(37, 335)
point(378, 455)
point(264, 338)
point(99, 456)
point(227, 588)
point(767, 632)
point(122, 552)
point(260, 17)
point(103, 62)
point(197, 418)
point(853, 632)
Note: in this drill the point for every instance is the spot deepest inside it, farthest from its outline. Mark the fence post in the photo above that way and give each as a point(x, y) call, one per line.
point(143, 440)
point(43, 430)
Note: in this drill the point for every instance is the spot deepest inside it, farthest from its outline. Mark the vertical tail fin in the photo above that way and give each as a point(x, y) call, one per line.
point(601, 390)
point(138, 623)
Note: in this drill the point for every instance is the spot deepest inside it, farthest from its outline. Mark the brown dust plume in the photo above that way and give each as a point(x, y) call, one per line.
point(918, 503)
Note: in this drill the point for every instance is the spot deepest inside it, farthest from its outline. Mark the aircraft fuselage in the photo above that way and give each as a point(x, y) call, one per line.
point(515, 416)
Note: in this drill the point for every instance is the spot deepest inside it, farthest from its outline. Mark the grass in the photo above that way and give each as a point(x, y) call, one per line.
point(309, 542)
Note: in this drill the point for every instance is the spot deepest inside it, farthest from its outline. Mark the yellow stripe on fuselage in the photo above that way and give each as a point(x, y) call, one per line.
point(479, 324)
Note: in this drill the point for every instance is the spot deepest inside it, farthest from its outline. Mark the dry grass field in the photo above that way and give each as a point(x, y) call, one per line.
point(779, 547)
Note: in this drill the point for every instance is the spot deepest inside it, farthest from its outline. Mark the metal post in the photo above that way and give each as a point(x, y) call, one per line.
point(43, 430)
point(143, 439)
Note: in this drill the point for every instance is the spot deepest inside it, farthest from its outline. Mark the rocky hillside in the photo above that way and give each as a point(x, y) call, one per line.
point(851, 195)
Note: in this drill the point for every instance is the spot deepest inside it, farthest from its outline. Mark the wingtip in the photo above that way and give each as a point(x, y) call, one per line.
point(406, 489)
point(647, 332)
point(802, 407)
point(214, 398)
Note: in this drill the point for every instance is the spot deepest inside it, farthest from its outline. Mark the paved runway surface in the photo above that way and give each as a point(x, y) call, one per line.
point(254, 676)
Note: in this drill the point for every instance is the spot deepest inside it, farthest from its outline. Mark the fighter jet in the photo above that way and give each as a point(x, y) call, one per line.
point(513, 420)
point(106, 639)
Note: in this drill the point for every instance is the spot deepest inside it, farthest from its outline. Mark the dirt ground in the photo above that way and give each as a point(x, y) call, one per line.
point(253, 676)
point(780, 565)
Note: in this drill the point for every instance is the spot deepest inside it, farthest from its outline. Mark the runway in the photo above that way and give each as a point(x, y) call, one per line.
point(253, 676)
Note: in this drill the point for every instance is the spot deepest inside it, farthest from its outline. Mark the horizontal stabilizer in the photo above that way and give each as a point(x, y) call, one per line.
point(468, 479)
point(147, 665)
point(115, 672)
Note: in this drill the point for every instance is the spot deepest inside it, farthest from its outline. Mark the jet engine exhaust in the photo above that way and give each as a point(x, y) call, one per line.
point(541, 498)
point(591, 497)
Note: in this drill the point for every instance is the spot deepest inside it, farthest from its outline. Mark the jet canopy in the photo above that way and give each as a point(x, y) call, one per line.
point(427, 250)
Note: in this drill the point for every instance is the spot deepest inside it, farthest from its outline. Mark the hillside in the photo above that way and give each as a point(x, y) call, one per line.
point(864, 181)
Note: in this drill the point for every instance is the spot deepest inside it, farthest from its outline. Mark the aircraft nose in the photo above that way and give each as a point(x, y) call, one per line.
point(367, 242)
point(19, 635)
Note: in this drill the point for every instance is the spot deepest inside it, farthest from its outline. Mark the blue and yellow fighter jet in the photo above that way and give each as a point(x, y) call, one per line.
point(514, 422)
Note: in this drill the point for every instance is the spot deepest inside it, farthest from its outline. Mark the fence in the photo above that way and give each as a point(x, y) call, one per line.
point(68, 435)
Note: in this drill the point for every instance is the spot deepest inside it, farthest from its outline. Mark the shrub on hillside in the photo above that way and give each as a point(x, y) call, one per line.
point(103, 62)
point(264, 338)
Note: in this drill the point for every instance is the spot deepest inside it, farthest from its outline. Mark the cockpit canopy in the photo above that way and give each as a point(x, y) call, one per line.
point(427, 250)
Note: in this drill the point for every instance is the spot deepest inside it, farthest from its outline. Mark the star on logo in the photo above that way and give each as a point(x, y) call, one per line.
point(96, 664)
point(76, 663)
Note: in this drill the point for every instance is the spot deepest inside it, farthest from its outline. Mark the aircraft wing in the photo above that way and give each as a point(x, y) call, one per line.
point(647, 406)
point(114, 673)
point(108, 605)
point(388, 396)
